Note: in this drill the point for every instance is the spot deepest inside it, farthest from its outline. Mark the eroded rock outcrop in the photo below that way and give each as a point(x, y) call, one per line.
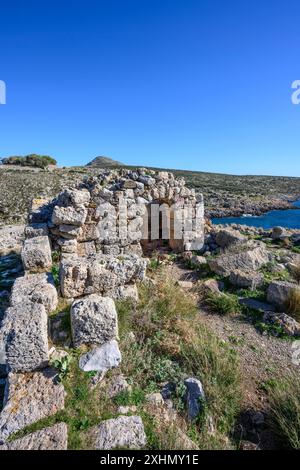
point(279, 292)
point(249, 257)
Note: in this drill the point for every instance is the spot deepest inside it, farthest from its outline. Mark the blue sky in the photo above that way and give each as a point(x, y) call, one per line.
point(190, 84)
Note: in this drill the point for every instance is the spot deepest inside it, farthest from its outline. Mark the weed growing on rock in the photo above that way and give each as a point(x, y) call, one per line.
point(55, 274)
point(63, 366)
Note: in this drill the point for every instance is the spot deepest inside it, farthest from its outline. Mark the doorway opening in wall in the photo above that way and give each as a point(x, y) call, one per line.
point(159, 229)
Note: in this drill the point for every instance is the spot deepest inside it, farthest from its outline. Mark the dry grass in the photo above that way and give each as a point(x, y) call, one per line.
point(171, 344)
point(285, 411)
point(296, 273)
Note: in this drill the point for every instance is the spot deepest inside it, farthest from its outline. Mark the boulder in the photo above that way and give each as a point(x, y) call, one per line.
point(119, 433)
point(36, 254)
point(74, 197)
point(248, 445)
point(194, 397)
point(227, 237)
point(24, 330)
point(69, 215)
point(101, 359)
point(86, 248)
point(250, 258)
point(211, 286)
point(250, 279)
point(288, 324)
point(94, 320)
point(30, 398)
point(52, 438)
point(278, 233)
point(36, 288)
point(279, 291)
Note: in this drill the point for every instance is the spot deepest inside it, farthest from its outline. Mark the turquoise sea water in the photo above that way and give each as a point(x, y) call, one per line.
point(289, 218)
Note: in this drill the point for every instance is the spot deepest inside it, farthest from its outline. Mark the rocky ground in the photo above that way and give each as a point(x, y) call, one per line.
point(197, 350)
point(225, 195)
point(219, 321)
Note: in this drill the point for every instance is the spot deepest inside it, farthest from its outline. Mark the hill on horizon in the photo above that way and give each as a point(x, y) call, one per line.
point(104, 162)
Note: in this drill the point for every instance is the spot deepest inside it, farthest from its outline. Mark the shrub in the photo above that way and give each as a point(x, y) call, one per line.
point(285, 411)
point(136, 397)
point(293, 304)
point(225, 304)
point(34, 160)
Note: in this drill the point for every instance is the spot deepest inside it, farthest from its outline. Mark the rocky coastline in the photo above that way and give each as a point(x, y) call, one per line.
point(219, 208)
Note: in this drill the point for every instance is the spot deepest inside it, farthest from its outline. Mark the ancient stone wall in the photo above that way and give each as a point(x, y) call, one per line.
point(111, 214)
point(96, 230)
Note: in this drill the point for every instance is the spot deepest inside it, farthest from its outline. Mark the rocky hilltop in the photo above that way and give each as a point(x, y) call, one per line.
point(104, 162)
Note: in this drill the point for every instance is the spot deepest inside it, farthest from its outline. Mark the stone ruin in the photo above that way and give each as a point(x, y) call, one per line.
point(100, 231)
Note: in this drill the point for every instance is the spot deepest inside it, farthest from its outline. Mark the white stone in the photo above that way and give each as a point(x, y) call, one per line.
point(101, 359)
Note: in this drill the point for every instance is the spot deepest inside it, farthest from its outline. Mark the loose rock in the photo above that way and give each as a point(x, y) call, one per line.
point(122, 432)
point(101, 359)
point(29, 398)
point(194, 397)
point(37, 288)
point(93, 320)
point(24, 331)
